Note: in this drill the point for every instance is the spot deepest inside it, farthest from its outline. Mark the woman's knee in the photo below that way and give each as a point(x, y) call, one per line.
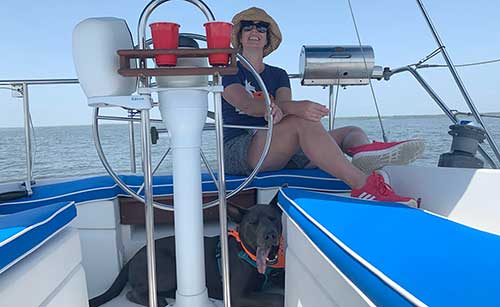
point(351, 136)
point(341, 133)
point(356, 133)
point(352, 129)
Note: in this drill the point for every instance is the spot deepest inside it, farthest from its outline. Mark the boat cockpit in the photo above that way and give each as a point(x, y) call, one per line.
point(67, 240)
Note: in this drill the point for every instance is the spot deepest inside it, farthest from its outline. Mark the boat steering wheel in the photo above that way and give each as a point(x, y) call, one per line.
point(138, 197)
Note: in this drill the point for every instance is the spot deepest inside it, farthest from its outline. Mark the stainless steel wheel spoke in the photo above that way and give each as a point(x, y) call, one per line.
point(111, 172)
point(246, 127)
point(209, 169)
point(156, 168)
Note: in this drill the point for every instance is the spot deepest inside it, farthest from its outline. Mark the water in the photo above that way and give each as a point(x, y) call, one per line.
point(70, 151)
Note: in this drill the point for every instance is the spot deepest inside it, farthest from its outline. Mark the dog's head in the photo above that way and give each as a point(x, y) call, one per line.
point(260, 231)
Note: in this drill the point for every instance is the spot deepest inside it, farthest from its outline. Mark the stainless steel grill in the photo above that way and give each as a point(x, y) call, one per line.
point(338, 65)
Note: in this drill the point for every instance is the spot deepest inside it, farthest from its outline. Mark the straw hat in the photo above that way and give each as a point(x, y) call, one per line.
point(257, 14)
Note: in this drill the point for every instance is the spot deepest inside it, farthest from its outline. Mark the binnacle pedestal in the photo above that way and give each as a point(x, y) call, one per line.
point(184, 112)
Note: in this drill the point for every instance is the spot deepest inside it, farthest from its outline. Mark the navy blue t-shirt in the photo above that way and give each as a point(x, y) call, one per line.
point(273, 77)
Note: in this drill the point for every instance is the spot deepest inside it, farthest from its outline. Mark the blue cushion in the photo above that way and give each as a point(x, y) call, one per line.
point(100, 187)
point(22, 232)
point(396, 254)
point(103, 187)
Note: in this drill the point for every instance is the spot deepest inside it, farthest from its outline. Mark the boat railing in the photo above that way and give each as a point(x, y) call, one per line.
point(449, 112)
point(21, 89)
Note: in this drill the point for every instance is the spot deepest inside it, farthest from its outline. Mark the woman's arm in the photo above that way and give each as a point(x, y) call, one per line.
point(239, 98)
point(284, 100)
point(303, 108)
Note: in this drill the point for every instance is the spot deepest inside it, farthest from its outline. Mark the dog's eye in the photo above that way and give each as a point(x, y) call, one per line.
point(253, 221)
point(272, 218)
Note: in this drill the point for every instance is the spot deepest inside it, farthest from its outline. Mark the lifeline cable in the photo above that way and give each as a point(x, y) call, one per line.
point(461, 65)
point(384, 137)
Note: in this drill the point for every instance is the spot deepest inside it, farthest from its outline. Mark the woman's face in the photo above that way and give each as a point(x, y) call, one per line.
point(252, 36)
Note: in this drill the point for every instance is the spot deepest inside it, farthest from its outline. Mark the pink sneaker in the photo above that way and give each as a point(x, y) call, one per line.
point(376, 155)
point(377, 189)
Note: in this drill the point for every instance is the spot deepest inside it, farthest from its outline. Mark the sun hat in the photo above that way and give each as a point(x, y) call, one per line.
point(257, 14)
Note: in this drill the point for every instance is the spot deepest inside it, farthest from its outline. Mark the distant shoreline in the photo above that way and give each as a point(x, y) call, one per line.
point(340, 118)
point(408, 116)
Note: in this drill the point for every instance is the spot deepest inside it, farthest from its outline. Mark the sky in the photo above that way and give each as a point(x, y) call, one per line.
point(35, 43)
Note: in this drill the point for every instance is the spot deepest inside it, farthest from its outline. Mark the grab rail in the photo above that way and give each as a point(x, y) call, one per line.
point(21, 87)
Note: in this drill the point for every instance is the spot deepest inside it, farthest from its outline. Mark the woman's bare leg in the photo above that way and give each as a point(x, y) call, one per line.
point(346, 137)
point(294, 133)
point(349, 136)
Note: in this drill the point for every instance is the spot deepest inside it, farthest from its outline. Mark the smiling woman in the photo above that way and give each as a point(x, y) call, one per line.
point(256, 18)
point(299, 138)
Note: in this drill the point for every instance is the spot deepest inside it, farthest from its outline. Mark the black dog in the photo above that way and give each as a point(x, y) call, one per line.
point(260, 235)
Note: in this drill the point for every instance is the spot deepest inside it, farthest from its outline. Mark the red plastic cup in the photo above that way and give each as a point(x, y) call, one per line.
point(218, 36)
point(165, 36)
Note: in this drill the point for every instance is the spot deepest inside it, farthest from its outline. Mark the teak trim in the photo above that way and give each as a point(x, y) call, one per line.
point(128, 54)
point(132, 211)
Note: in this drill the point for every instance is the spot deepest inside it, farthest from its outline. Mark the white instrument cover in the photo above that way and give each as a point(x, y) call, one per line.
point(95, 43)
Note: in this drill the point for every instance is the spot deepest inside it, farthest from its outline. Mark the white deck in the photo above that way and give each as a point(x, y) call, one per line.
point(466, 196)
point(121, 301)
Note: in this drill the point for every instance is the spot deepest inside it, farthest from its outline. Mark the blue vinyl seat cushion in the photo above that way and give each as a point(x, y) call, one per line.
point(400, 256)
point(22, 232)
point(103, 187)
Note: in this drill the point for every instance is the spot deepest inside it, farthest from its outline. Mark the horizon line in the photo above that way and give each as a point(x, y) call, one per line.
point(340, 117)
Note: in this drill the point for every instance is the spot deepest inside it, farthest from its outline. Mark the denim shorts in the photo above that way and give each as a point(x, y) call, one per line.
point(236, 152)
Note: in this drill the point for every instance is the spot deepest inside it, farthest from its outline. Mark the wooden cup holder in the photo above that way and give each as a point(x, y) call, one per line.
point(127, 55)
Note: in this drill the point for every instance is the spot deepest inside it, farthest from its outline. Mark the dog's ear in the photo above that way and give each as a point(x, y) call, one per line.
point(235, 213)
point(274, 203)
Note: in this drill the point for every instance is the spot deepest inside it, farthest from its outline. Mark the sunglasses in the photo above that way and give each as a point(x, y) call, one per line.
point(261, 27)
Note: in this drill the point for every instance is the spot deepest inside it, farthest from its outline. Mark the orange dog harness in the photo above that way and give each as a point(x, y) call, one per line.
point(280, 264)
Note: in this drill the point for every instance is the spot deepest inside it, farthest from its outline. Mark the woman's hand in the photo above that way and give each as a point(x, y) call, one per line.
point(310, 110)
point(276, 113)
